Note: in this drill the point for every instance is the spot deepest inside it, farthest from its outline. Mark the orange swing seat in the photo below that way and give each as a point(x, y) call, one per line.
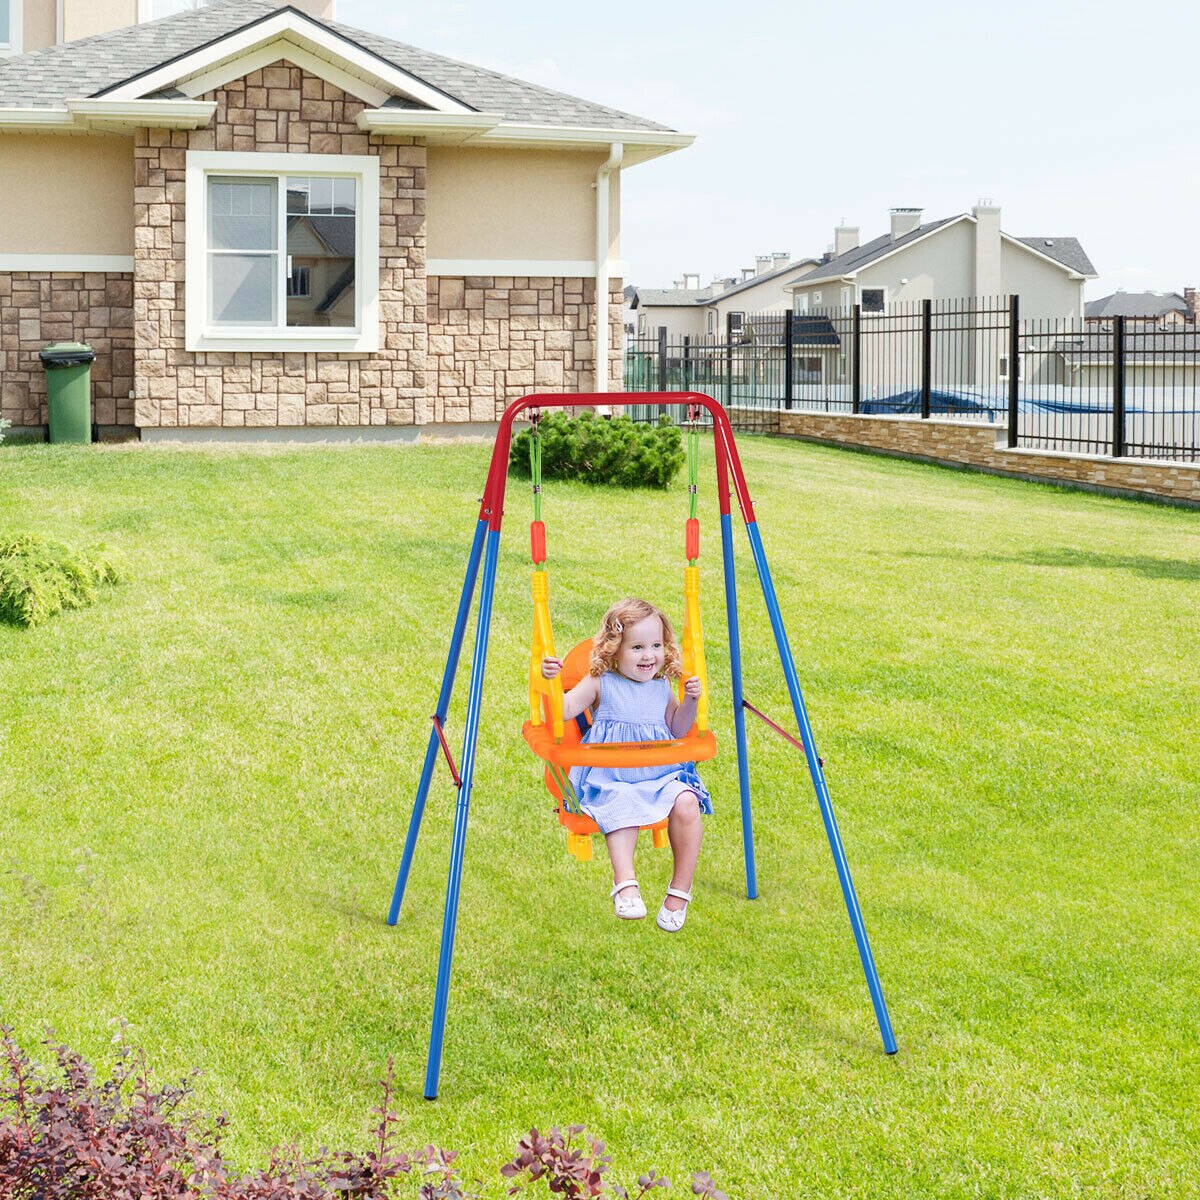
point(572, 751)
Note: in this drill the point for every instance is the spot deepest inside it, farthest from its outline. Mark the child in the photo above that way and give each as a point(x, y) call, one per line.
point(634, 656)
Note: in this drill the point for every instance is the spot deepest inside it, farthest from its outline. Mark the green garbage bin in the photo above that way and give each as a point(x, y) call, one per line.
point(68, 367)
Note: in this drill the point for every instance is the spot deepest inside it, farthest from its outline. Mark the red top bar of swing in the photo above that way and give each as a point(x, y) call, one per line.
point(728, 463)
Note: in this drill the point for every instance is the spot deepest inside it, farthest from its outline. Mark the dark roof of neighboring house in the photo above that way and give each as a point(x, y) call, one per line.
point(1139, 347)
point(48, 78)
point(1135, 304)
point(1066, 251)
point(336, 232)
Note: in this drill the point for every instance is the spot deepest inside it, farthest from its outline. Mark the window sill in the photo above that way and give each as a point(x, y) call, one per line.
point(308, 342)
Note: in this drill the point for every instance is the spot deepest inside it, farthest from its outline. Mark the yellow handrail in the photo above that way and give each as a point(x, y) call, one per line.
point(542, 646)
point(693, 644)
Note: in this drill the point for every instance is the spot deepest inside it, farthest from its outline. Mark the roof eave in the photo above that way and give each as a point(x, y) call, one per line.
point(119, 116)
point(640, 145)
point(446, 129)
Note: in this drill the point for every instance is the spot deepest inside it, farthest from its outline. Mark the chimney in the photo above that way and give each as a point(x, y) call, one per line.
point(691, 281)
point(747, 273)
point(1190, 301)
point(763, 264)
point(845, 239)
point(781, 259)
point(988, 276)
point(716, 287)
point(905, 220)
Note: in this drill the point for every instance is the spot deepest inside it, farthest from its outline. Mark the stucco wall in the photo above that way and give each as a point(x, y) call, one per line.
point(66, 194)
point(516, 204)
point(680, 322)
point(39, 28)
point(83, 18)
point(1045, 290)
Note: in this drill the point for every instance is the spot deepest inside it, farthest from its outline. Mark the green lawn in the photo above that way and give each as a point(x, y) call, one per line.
point(205, 781)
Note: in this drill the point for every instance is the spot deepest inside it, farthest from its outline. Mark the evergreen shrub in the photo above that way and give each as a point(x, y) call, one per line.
point(40, 577)
point(593, 449)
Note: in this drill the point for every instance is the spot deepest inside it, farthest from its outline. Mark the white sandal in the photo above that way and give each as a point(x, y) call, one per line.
point(628, 908)
point(672, 919)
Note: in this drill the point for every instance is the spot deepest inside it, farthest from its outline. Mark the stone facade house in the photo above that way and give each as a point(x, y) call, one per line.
point(264, 220)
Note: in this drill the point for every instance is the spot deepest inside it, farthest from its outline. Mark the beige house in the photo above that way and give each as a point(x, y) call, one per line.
point(262, 219)
point(948, 259)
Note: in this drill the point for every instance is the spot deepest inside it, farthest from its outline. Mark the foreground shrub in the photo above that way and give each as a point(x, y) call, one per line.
point(40, 577)
point(65, 1135)
point(5, 423)
point(617, 451)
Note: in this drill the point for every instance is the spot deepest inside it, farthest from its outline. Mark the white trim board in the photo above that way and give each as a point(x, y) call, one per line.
point(66, 262)
point(568, 268)
point(16, 30)
point(307, 33)
point(281, 48)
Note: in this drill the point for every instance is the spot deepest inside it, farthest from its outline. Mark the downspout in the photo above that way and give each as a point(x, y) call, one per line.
point(603, 239)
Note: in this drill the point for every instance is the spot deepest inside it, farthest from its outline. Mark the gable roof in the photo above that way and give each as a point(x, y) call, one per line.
point(89, 67)
point(1065, 252)
point(676, 297)
point(1135, 304)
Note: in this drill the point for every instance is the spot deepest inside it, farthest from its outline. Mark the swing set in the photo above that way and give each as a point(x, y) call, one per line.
point(558, 743)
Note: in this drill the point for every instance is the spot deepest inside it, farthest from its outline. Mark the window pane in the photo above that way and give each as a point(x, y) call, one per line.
point(241, 214)
point(343, 195)
point(297, 194)
point(168, 8)
point(5, 27)
point(242, 288)
point(323, 245)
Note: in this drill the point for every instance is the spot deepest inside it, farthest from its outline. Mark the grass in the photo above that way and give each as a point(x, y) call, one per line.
point(206, 778)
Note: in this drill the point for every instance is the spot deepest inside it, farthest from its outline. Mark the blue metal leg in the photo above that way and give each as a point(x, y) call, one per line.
point(818, 778)
point(739, 713)
point(458, 845)
point(443, 706)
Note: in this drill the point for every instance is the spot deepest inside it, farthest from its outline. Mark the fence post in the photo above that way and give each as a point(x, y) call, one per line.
point(1014, 366)
point(788, 365)
point(687, 365)
point(729, 360)
point(1118, 370)
point(856, 358)
point(926, 356)
point(662, 358)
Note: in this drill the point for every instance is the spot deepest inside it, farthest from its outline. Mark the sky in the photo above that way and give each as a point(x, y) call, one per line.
point(1079, 120)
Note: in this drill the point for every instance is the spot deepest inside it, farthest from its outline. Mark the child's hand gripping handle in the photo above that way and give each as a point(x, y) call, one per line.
point(693, 644)
point(543, 647)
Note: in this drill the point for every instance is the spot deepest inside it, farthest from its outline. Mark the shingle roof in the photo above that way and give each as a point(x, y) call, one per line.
point(1141, 347)
point(1064, 250)
point(1135, 304)
point(48, 78)
point(766, 277)
point(673, 296)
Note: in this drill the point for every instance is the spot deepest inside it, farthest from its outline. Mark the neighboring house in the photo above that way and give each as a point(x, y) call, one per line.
point(948, 259)
point(1163, 309)
point(262, 218)
point(692, 311)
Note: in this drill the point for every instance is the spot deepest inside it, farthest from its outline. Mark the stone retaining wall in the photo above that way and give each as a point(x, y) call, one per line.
point(968, 443)
point(37, 307)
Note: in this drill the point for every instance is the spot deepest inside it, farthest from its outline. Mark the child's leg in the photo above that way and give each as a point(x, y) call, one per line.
point(621, 845)
point(685, 829)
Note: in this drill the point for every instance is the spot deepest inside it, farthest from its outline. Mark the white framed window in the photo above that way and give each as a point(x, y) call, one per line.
point(710, 322)
point(282, 252)
point(873, 301)
point(1004, 367)
point(799, 302)
point(151, 10)
point(736, 323)
point(816, 298)
point(11, 31)
point(847, 297)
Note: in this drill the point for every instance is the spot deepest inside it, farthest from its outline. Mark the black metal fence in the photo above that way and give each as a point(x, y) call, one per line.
point(1123, 388)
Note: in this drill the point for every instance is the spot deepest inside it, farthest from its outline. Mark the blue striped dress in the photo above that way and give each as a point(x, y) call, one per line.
point(620, 797)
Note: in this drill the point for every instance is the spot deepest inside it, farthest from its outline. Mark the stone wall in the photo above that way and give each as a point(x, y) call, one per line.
point(37, 307)
point(967, 443)
point(277, 109)
point(492, 339)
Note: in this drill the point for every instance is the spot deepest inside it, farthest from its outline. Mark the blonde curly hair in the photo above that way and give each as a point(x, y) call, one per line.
point(607, 642)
